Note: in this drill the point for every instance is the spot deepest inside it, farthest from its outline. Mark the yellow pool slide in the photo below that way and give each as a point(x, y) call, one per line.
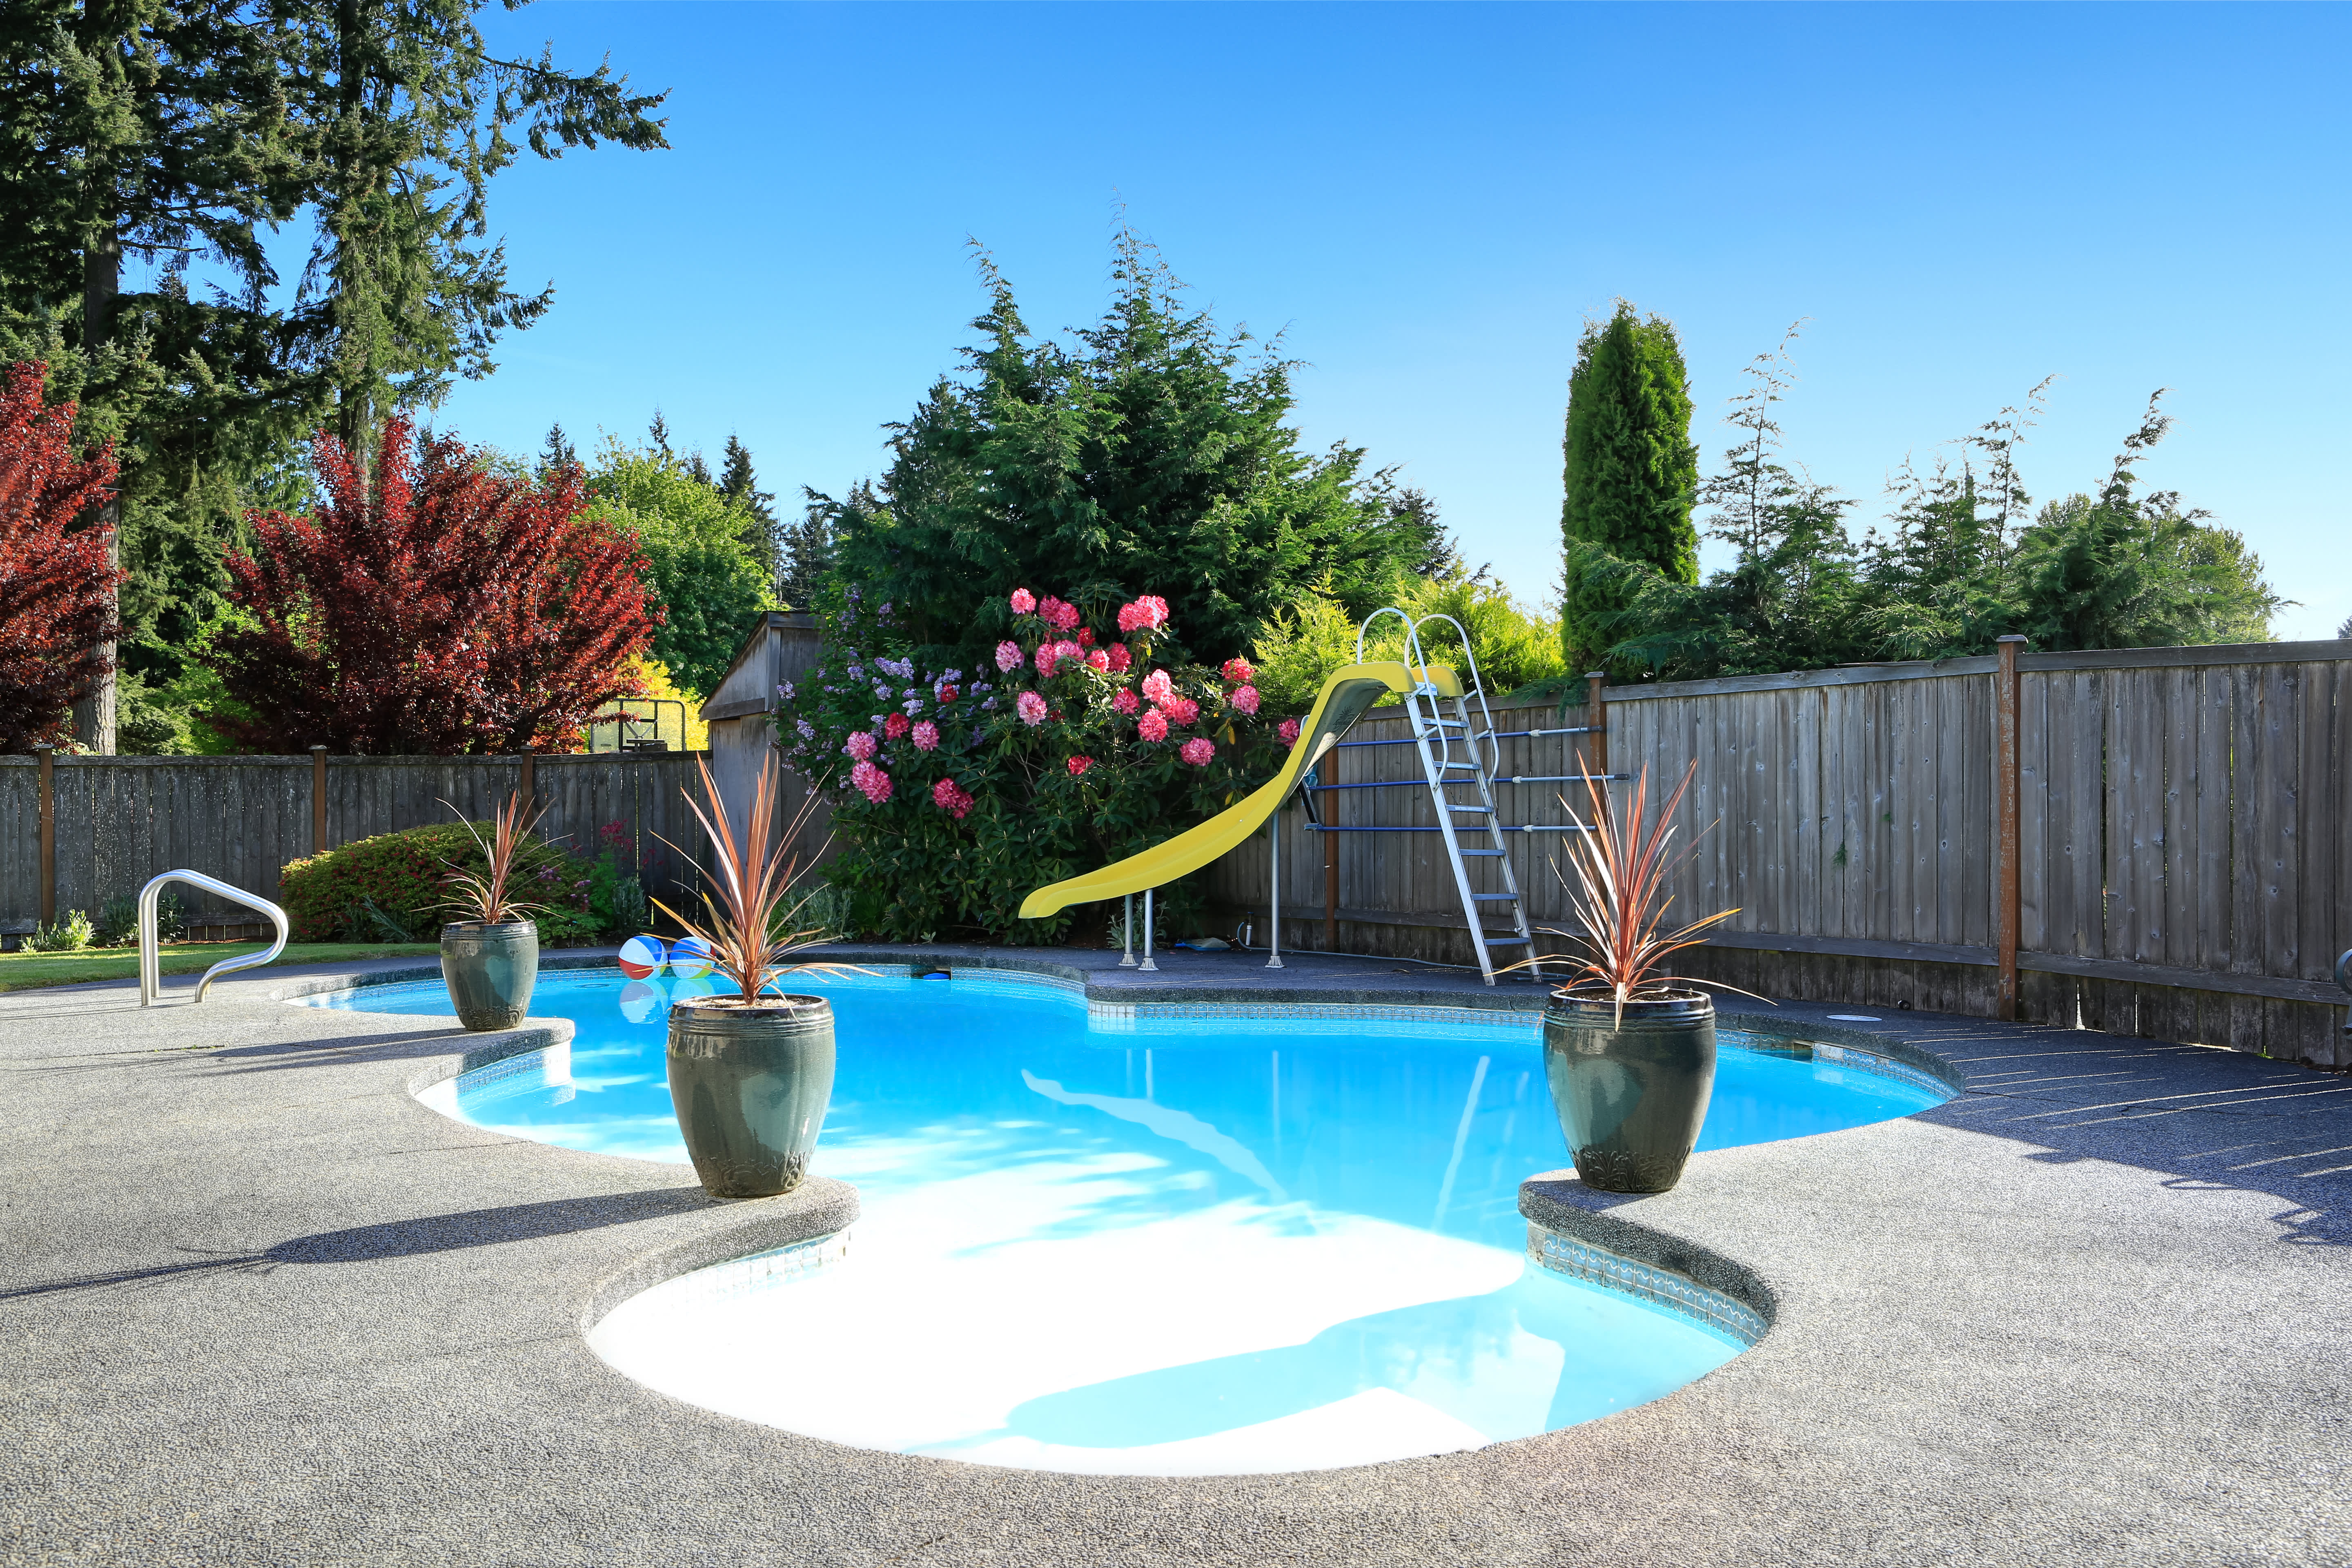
point(1343, 701)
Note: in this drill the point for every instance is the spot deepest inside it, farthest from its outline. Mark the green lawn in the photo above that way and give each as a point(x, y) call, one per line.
point(25, 970)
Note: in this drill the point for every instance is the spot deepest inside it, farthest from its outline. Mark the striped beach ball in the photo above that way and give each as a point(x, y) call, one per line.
point(642, 957)
point(690, 958)
point(641, 999)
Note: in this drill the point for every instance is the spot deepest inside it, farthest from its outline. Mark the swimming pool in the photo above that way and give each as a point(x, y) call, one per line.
point(1166, 1244)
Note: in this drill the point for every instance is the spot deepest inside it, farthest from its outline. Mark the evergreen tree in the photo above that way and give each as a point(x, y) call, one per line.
point(406, 113)
point(559, 454)
point(1630, 473)
point(808, 545)
point(2127, 571)
point(1150, 457)
point(2345, 631)
point(741, 485)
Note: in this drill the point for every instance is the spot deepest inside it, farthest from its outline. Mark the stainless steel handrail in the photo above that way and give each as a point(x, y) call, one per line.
point(2344, 978)
point(150, 954)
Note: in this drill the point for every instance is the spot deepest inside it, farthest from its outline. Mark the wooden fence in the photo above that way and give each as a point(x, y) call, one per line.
point(114, 822)
point(2181, 858)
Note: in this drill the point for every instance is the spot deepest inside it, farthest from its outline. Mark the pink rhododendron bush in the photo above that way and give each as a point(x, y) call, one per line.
point(956, 792)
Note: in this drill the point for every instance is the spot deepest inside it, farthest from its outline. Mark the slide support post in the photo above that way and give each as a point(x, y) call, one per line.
point(1127, 936)
point(1147, 963)
point(1274, 893)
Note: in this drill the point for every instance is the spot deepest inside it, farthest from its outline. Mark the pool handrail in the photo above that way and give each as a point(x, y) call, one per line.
point(150, 955)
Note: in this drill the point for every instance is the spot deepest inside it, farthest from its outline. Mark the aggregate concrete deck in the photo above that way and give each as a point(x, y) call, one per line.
point(257, 1305)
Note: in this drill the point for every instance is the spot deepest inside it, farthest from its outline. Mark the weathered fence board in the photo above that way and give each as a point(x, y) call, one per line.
point(2185, 836)
point(121, 820)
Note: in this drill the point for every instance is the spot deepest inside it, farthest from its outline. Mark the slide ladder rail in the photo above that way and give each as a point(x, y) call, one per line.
point(1460, 750)
point(151, 949)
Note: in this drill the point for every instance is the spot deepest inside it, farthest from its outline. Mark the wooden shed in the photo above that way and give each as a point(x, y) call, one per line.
point(781, 646)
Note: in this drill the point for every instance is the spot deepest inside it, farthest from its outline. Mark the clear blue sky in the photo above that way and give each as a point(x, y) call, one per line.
point(1427, 200)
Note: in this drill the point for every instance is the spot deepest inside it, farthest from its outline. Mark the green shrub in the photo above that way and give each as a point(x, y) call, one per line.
point(70, 934)
point(1517, 648)
point(117, 922)
point(390, 888)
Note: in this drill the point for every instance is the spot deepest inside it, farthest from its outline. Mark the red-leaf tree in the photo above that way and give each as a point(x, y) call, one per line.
point(434, 609)
point(56, 586)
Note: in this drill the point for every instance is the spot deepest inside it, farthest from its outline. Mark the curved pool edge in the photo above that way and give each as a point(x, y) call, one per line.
point(1561, 1209)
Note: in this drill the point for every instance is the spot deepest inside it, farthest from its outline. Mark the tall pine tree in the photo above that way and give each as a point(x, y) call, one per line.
point(407, 112)
point(1631, 475)
point(739, 484)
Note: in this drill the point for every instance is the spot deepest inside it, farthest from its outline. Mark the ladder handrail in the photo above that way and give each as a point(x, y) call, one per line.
point(150, 956)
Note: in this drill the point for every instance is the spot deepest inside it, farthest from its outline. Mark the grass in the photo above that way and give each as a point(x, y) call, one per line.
point(29, 970)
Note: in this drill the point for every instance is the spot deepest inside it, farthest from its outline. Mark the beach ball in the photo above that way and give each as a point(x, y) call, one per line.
point(642, 999)
point(642, 957)
point(690, 959)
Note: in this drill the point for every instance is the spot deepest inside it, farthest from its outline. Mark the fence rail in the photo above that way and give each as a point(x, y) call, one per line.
point(2183, 842)
point(116, 821)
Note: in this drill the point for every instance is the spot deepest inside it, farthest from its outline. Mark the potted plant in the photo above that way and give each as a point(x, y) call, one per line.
point(489, 959)
point(750, 1075)
point(1629, 1050)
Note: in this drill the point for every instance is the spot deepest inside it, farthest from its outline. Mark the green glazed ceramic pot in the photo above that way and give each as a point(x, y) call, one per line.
point(490, 969)
point(1631, 1092)
point(750, 1086)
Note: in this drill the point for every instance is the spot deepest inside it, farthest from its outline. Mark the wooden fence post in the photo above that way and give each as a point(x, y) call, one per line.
point(1596, 722)
point(530, 781)
point(2006, 883)
point(318, 800)
point(48, 835)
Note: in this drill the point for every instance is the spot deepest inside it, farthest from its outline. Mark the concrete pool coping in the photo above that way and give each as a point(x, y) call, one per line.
point(260, 1305)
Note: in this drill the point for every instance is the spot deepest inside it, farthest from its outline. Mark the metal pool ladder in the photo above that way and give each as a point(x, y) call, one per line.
point(1462, 752)
point(150, 954)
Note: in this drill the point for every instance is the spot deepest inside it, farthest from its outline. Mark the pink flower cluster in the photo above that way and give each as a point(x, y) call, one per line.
point(1245, 700)
point(1238, 669)
point(1148, 613)
point(871, 781)
point(1030, 706)
point(1008, 655)
point(1182, 711)
point(1197, 751)
point(952, 798)
point(1158, 687)
point(1288, 731)
point(860, 745)
point(895, 725)
point(1050, 656)
point(1078, 765)
point(926, 736)
point(1120, 659)
point(1061, 616)
point(1023, 601)
point(1127, 702)
point(1152, 726)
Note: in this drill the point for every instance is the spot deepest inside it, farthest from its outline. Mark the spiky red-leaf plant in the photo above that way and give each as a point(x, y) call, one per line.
point(1620, 900)
point(486, 896)
point(750, 913)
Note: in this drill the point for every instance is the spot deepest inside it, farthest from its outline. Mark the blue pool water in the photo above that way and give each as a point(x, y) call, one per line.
point(1155, 1245)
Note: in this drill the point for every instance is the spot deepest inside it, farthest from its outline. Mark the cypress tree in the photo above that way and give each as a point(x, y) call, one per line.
point(1631, 475)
